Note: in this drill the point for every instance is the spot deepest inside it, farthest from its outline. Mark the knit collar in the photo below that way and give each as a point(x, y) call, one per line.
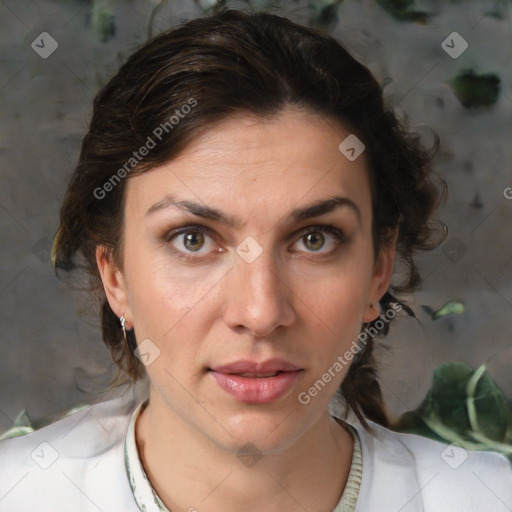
point(148, 500)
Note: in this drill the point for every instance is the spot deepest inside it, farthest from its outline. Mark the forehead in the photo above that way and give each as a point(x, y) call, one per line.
point(256, 163)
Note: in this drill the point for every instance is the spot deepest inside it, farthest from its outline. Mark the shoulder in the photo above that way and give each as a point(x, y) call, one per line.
point(69, 462)
point(426, 475)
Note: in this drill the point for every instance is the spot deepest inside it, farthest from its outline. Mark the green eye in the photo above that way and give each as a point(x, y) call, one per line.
point(314, 241)
point(322, 239)
point(193, 240)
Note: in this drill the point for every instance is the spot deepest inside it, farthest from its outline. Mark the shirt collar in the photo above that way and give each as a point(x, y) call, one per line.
point(145, 496)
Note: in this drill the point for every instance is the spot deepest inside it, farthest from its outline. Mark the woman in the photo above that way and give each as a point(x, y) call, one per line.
point(238, 203)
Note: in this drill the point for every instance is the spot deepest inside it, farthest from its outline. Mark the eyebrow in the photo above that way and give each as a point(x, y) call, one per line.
point(315, 209)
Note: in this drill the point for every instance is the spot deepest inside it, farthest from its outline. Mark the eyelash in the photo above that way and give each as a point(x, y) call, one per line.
point(337, 233)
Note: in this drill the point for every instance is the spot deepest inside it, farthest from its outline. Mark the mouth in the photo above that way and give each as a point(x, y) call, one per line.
point(257, 375)
point(268, 368)
point(257, 387)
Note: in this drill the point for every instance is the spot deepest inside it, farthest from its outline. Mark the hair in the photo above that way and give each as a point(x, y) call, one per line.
point(208, 69)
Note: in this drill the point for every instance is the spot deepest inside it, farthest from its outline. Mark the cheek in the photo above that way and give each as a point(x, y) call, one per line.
point(334, 310)
point(343, 318)
point(162, 294)
point(337, 296)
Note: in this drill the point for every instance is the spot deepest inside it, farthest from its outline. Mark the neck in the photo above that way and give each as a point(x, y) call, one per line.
point(190, 471)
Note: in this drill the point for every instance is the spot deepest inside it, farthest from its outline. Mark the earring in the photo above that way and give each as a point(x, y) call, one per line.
point(123, 321)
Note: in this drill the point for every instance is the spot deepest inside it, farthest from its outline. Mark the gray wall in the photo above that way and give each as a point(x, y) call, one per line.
point(52, 357)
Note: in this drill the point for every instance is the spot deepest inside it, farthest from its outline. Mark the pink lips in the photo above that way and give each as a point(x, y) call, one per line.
point(251, 382)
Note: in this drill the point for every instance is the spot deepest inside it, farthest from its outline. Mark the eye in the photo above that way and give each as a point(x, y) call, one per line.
point(317, 238)
point(191, 240)
point(314, 241)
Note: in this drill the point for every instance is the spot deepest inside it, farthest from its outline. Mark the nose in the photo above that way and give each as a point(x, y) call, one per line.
point(257, 298)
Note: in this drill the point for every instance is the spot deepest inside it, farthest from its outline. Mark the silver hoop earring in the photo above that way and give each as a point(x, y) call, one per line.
point(123, 321)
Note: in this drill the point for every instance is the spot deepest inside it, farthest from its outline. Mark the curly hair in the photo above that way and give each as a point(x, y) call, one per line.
point(222, 64)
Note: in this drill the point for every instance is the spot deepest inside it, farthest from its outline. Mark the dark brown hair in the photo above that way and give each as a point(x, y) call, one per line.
point(210, 68)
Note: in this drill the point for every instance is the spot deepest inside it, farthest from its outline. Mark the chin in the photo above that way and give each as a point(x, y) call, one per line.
point(269, 431)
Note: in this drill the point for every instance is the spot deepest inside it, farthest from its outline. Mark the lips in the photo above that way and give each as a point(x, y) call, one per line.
point(269, 367)
point(257, 375)
point(257, 383)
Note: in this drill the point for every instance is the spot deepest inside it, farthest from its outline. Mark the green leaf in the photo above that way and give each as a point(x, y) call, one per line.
point(23, 425)
point(464, 406)
point(474, 90)
point(16, 432)
point(488, 410)
point(447, 399)
point(452, 307)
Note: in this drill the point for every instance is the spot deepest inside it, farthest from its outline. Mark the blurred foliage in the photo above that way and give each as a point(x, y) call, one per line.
point(474, 90)
point(464, 406)
point(324, 13)
point(403, 10)
point(102, 20)
point(24, 425)
point(453, 307)
point(498, 10)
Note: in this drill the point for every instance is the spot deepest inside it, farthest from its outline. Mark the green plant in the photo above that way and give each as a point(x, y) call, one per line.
point(464, 406)
point(474, 90)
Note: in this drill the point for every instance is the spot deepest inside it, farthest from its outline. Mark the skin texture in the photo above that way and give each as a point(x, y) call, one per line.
point(295, 301)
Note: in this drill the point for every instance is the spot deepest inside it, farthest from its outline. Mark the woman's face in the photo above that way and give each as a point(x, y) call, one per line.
point(253, 245)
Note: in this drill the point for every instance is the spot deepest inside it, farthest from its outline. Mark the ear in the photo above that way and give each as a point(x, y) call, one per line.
point(114, 285)
point(381, 278)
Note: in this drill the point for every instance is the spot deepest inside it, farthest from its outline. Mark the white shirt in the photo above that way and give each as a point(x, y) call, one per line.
point(88, 461)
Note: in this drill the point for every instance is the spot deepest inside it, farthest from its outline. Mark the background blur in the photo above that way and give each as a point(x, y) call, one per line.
point(54, 55)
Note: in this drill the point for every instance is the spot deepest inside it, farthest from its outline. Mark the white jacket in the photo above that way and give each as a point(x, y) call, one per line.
point(85, 469)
